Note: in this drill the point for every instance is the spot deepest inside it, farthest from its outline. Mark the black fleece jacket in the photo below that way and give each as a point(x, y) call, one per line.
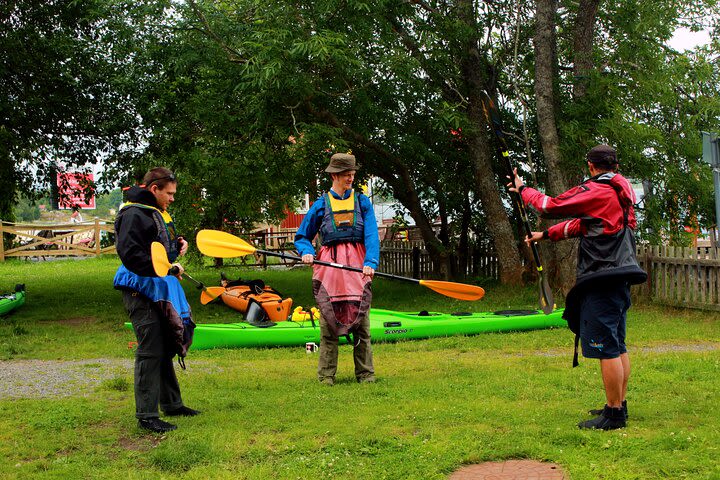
point(135, 230)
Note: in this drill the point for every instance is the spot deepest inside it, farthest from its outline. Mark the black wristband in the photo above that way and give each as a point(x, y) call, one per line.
point(520, 188)
point(546, 234)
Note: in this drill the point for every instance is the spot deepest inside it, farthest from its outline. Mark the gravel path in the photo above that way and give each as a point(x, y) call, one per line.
point(58, 378)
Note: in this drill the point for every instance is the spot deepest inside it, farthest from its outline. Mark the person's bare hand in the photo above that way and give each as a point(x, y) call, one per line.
point(183, 245)
point(515, 182)
point(180, 268)
point(368, 271)
point(308, 258)
point(535, 237)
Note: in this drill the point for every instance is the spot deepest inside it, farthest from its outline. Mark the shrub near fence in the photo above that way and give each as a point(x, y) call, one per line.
point(682, 276)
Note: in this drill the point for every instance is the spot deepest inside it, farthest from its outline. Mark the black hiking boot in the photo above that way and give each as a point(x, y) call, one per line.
point(609, 419)
point(598, 411)
point(156, 425)
point(182, 412)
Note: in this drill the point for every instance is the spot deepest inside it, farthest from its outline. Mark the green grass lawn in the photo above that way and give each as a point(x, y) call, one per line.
point(438, 404)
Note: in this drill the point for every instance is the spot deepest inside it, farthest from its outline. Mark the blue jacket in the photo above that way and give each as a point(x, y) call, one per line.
point(314, 217)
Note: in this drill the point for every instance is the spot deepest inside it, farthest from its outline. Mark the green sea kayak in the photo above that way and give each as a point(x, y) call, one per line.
point(11, 301)
point(385, 326)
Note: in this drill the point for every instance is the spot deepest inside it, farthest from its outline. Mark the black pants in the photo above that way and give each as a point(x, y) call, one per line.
point(155, 380)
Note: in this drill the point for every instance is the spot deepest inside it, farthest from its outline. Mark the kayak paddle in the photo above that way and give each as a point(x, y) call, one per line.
point(215, 243)
point(492, 115)
point(163, 267)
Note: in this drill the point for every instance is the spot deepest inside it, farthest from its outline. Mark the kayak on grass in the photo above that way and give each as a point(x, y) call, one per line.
point(275, 308)
point(385, 326)
point(11, 301)
point(241, 295)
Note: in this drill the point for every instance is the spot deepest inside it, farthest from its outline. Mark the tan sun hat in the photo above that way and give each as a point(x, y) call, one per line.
point(342, 162)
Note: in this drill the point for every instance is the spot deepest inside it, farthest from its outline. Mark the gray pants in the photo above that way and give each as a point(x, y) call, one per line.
point(362, 351)
point(155, 380)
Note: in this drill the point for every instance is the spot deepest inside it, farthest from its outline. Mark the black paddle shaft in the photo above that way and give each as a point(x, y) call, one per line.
point(493, 118)
point(175, 270)
point(337, 265)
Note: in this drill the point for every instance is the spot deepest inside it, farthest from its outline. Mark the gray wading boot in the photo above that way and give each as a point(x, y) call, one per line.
point(598, 411)
point(609, 419)
point(156, 425)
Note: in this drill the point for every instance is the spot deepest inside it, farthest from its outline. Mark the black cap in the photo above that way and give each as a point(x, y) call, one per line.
point(602, 154)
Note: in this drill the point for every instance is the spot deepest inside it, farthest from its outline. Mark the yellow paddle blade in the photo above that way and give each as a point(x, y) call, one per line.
point(215, 243)
point(461, 291)
point(160, 261)
point(210, 293)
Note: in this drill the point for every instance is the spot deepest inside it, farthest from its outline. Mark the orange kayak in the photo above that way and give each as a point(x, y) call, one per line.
point(276, 308)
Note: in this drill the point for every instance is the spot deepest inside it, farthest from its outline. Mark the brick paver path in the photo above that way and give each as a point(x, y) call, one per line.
point(510, 470)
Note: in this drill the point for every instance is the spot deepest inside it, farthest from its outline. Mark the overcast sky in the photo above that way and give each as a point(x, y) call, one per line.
point(684, 39)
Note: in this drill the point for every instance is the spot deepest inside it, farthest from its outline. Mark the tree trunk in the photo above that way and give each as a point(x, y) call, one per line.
point(481, 151)
point(561, 265)
point(496, 216)
point(583, 37)
point(475, 73)
point(405, 193)
point(474, 77)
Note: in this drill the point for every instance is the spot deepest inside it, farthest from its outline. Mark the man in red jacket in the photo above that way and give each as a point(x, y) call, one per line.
point(604, 218)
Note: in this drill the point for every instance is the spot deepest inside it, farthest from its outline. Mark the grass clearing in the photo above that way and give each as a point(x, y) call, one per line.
point(438, 404)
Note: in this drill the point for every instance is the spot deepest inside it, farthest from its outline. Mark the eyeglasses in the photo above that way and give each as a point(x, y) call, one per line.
point(170, 177)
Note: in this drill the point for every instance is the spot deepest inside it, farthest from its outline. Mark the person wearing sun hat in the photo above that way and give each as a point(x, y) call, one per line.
point(603, 217)
point(345, 221)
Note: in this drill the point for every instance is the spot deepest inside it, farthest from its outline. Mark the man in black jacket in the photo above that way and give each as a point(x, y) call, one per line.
point(157, 306)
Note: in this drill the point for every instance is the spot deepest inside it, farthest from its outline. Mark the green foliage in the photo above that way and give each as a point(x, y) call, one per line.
point(66, 103)
point(105, 203)
point(333, 89)
point(27, 210)
point(651, 102)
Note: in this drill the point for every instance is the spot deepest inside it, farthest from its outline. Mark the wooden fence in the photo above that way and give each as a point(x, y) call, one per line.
point(682, 276)
point(412, 259)
point(677, 276)
point(67, 239)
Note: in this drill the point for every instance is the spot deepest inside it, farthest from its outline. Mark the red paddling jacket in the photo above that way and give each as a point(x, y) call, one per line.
point(604, 219)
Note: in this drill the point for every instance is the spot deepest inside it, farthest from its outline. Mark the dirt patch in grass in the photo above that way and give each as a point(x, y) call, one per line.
point(139, 444)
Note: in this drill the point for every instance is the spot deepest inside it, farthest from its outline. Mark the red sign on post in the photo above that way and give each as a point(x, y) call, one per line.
point(72, 188)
